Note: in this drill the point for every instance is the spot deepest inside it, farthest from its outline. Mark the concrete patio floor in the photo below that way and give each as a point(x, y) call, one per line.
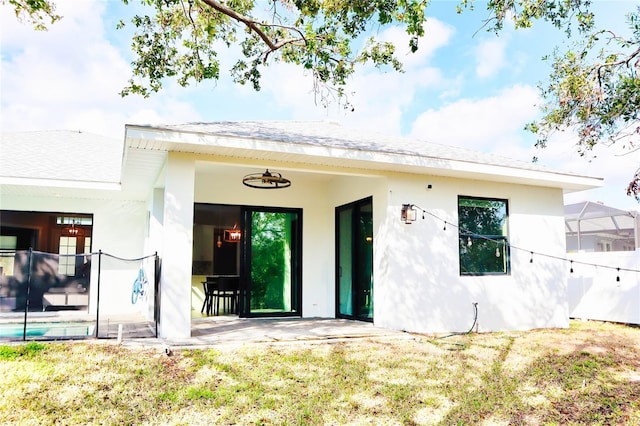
point(224, 330)
point(234, 331)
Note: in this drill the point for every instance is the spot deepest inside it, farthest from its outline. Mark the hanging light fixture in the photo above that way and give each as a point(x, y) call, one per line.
point(266, 180)
point(72, 231)
point(232, 235)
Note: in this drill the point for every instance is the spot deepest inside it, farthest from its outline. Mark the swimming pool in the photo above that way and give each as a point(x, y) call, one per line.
point(47, 329)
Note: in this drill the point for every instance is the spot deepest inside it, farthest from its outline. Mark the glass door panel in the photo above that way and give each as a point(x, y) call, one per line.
point(363, 285)
point(345, 264)
point(271, 262)
point(354, 258)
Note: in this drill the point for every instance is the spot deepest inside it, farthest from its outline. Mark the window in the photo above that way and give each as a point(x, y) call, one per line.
point(67, 264)
point(75, 220)
point(483, 236)
point(603, 246)
point(8, 244)
point(87, 244)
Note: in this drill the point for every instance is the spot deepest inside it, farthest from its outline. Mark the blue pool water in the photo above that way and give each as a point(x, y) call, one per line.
point(47, 330)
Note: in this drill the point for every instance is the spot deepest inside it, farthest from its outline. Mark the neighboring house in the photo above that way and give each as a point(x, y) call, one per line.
point(336, 238)
point(594, 227)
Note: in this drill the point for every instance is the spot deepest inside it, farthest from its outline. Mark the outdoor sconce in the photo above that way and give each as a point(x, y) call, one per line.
point(408, 214)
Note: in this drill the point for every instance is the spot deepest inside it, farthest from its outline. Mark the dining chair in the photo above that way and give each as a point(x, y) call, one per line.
point(226, 291)
point(209, 287)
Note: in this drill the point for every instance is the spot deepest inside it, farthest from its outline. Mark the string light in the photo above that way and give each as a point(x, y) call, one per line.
point(497, 251)
point(564, 259)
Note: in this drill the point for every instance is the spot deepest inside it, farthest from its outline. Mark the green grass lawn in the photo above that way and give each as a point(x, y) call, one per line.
point(588, 374)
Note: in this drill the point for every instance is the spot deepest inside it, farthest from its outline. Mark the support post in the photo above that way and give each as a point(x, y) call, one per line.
point(26, 302)
point(98, 296)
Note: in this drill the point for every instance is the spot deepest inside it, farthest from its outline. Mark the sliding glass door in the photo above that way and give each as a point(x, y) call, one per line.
point(354, 260)
point(271, 254)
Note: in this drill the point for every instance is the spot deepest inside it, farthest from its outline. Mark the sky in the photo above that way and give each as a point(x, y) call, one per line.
point(464, 87)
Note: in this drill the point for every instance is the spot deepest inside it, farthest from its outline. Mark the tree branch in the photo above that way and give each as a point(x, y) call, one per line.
point(622, 61)
point(253, 25)
point(194, 32)
point(625, 60)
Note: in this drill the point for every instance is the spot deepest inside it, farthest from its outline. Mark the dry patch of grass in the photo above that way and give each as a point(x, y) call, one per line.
point(588, 374)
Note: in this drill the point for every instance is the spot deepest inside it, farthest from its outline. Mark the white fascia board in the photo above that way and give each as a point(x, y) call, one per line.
point(58, 183)
point(569, 182)
point(157, 139)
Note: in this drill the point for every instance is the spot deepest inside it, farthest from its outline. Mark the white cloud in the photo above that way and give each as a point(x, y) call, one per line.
point(483, 124)
point(173, 112)
point(77, 17)
point(615, 164)
point(379, 98)
point(437, 35)
point(490, 57)
point(495, 125)
point(69, 77)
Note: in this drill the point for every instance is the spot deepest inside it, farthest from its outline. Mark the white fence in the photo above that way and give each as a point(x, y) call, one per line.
point(605, 294)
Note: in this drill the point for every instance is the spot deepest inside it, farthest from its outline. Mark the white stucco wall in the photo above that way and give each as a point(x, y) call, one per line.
point(419, 288)
point(119, 229)
point(595, 292)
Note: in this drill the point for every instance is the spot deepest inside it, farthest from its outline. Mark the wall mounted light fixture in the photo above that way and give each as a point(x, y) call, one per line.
point(408, 213)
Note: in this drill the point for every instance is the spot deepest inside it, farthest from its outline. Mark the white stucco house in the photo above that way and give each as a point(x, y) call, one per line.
point(311, 219)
